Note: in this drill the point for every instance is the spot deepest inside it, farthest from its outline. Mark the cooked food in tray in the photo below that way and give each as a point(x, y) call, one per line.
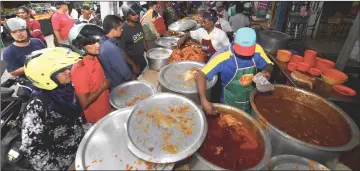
point(188, 54)
point(172, 33)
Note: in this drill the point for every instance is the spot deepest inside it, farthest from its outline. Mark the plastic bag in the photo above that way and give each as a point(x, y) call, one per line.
point(262, 84)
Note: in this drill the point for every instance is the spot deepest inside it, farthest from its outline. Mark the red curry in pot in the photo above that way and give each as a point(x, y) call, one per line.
point(230, 145)
point(303, 122)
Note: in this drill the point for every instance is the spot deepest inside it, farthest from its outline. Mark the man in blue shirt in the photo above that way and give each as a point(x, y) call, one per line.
point(14, 55)
point(237, 65)
point(113, 59)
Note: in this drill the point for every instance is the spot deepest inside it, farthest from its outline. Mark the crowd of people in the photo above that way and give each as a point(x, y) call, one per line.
point(69, 83)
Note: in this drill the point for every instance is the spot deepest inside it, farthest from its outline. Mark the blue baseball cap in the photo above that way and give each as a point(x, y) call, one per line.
point(245, 41)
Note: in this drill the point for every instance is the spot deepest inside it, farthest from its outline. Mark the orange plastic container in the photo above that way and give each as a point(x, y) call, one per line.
point(283, 55)
point(324, 64)
point(314, 72)
point(335, 74)
point(292, 66)
point(331, 81)
point(296, 58)
point(302, 66)
point(346, 91)
point(310, 57)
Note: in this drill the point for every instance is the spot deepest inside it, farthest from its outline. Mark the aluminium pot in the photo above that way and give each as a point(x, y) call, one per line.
point(283, 143)
point(158, 57)
point(197, 162)
point(271, 41)
point(292, 162)
point(171, 80)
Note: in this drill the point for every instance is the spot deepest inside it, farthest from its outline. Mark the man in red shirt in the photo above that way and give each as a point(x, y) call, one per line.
point(61, 22)
point(91, 86)
point(33, 25)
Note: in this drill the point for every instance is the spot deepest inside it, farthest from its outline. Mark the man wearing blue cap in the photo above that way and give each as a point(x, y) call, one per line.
point(237, 65)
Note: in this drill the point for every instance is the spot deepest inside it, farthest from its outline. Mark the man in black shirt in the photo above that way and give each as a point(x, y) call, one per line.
point(132, 40)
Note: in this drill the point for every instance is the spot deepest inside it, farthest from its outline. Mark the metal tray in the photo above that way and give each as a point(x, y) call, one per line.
point(171, 77)
point(182, 25)
point(292, 162)
point(130, 93)
point(181, 34)
point(159, 53)
point(168, 42)
point(104, 147)
point(164, 136)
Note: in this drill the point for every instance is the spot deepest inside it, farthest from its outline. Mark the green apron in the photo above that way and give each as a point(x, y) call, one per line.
point(237, 91)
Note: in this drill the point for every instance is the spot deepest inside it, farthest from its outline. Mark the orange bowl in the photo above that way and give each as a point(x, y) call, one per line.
point(296, 58)
point(314, 72)
point(346, 91)
point(331, 81)
point(302, 66)
point(335, 74)
point(283, 55)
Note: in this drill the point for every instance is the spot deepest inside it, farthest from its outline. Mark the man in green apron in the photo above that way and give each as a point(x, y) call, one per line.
point(237, 65)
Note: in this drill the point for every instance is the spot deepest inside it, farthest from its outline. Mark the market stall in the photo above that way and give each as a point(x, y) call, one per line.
point(160, 124)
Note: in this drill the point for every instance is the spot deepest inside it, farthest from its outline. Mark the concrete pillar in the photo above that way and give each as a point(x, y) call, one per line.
point(104, 9)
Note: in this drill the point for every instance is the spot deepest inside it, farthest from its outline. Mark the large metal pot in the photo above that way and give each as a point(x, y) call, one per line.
point(197, 162)
point(291, 162)
point(158, 58)
point(271, 41)
point(283, 143)
point(171, 80)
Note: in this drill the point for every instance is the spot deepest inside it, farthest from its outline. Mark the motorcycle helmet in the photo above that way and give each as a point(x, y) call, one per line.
point(14, 24)
point(84, 34)
point(131, 7)
point(41, 65)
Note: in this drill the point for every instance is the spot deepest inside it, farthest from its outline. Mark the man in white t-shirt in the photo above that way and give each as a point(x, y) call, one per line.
point(211, 38)
point(223, 25)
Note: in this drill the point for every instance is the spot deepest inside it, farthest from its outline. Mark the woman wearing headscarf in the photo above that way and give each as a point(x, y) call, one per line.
point(211, 38)
point(51, 131)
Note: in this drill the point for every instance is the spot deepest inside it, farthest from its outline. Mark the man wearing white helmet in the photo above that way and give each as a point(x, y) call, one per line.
point(15, 54)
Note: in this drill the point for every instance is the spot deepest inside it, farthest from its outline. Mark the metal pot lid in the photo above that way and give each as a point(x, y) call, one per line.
point(182, 25)
point(104, 147)
point(172, 77)
point(166, 128)
point(169, 42)
point(159, 53)
point(274, 34)
point(131, 93)
point(292, 162)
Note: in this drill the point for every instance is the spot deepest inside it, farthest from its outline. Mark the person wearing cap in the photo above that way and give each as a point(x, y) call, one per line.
point(86, 16)
point(15, 54)
point(50, 130)
point(33, 25)
point(237, 64)
point(132, 39)
point(61, 22)
point(211, 38)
